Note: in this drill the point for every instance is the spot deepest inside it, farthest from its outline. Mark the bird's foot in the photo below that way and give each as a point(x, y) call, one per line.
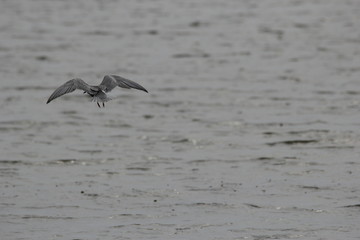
point(98, 104)
point(103, 104)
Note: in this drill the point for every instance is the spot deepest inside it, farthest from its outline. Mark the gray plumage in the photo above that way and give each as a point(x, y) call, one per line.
point(98, 93)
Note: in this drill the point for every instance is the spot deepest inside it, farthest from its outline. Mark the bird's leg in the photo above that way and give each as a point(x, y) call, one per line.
point(103, 104)
point(98, 104)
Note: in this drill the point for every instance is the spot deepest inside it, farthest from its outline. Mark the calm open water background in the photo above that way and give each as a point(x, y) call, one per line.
point(250, 129)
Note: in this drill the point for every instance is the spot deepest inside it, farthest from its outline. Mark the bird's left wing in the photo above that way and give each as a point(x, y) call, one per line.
point(69, 87)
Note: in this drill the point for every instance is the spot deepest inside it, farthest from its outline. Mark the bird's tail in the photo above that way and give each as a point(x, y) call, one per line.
point(100, 97)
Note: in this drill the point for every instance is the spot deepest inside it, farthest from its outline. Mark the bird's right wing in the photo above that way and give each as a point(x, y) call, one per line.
point(111, 81)
point(126, 83)
point(69, 87)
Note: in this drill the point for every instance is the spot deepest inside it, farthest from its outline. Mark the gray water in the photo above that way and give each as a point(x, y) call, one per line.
point(250, 129)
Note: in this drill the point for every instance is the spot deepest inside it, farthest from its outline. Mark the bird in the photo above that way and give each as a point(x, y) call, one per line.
point(98, 93)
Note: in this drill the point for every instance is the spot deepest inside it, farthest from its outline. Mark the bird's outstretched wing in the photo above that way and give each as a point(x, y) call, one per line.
point(111, 81)
point(69, 87)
